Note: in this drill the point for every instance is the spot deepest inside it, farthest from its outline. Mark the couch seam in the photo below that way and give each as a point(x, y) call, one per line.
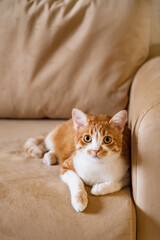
point(135, 143)
point(133, 231)
point(144, 114)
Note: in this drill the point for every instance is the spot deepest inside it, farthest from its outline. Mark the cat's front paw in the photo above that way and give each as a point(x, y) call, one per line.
point(106, 187)
point(49, 158)
point(80, 201)
point(33, 149)
point(98, 189)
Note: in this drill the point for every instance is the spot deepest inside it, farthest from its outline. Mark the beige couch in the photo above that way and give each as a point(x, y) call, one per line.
point(56, 55)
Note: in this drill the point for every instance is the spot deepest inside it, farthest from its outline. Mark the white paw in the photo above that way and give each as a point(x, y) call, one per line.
point(80, 201)
point(98, 189)
point(33, 149)
point(49, 158)
point(35, 152)
point(105, 188)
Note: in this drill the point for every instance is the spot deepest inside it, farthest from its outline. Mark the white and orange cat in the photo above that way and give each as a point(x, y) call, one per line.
point(91, 149)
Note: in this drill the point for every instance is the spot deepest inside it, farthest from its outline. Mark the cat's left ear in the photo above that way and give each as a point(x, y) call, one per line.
point(119, 120)
point(79, 119)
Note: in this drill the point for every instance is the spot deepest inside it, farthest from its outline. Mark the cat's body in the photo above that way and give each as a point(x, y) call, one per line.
point(90, 149)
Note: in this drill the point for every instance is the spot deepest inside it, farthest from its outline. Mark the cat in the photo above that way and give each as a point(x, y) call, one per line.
point(91, 149)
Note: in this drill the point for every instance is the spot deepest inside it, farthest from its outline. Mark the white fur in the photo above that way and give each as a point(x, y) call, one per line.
point(33, 149)
point(95, 170)
point(78, 194)
point(49, 142)
point(96, 142)
point(50, 158)
point(109, 187)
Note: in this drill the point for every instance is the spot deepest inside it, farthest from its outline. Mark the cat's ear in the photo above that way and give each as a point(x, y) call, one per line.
point(79, 119)
point(119, 120)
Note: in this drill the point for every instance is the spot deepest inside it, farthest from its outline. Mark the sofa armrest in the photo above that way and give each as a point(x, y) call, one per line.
point(144, 121)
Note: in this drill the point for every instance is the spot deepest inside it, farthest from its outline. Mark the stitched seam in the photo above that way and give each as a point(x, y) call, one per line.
point(135, 162)
point(135, 159)
point(144, 114)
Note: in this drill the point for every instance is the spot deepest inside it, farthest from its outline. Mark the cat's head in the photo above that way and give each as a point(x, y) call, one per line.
point(99, 135)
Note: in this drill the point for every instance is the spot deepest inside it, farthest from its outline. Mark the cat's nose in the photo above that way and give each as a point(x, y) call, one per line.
point(95, 151)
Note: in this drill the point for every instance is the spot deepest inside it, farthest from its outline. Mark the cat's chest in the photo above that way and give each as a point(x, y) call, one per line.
point(94, 171)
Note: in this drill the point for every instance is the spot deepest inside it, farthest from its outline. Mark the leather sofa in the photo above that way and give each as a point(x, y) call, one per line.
point(98, 56)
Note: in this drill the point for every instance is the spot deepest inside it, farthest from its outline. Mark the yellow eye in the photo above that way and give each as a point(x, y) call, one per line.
point(87, 138)
point(107, 140)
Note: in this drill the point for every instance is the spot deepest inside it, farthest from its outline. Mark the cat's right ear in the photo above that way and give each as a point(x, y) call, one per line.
point(79, 119)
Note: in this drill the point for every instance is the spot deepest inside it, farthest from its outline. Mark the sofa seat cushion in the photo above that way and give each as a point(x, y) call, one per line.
point(35, 203)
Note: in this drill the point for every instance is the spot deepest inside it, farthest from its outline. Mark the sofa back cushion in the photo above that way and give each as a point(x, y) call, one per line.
point(56, 55)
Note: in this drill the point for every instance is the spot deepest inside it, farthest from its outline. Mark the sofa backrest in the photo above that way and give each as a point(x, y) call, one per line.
point(56, 55)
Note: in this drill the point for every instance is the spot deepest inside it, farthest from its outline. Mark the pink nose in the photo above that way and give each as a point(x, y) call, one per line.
point(95, 151)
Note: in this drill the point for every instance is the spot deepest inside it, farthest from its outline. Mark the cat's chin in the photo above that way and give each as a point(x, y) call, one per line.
point(96, 157)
